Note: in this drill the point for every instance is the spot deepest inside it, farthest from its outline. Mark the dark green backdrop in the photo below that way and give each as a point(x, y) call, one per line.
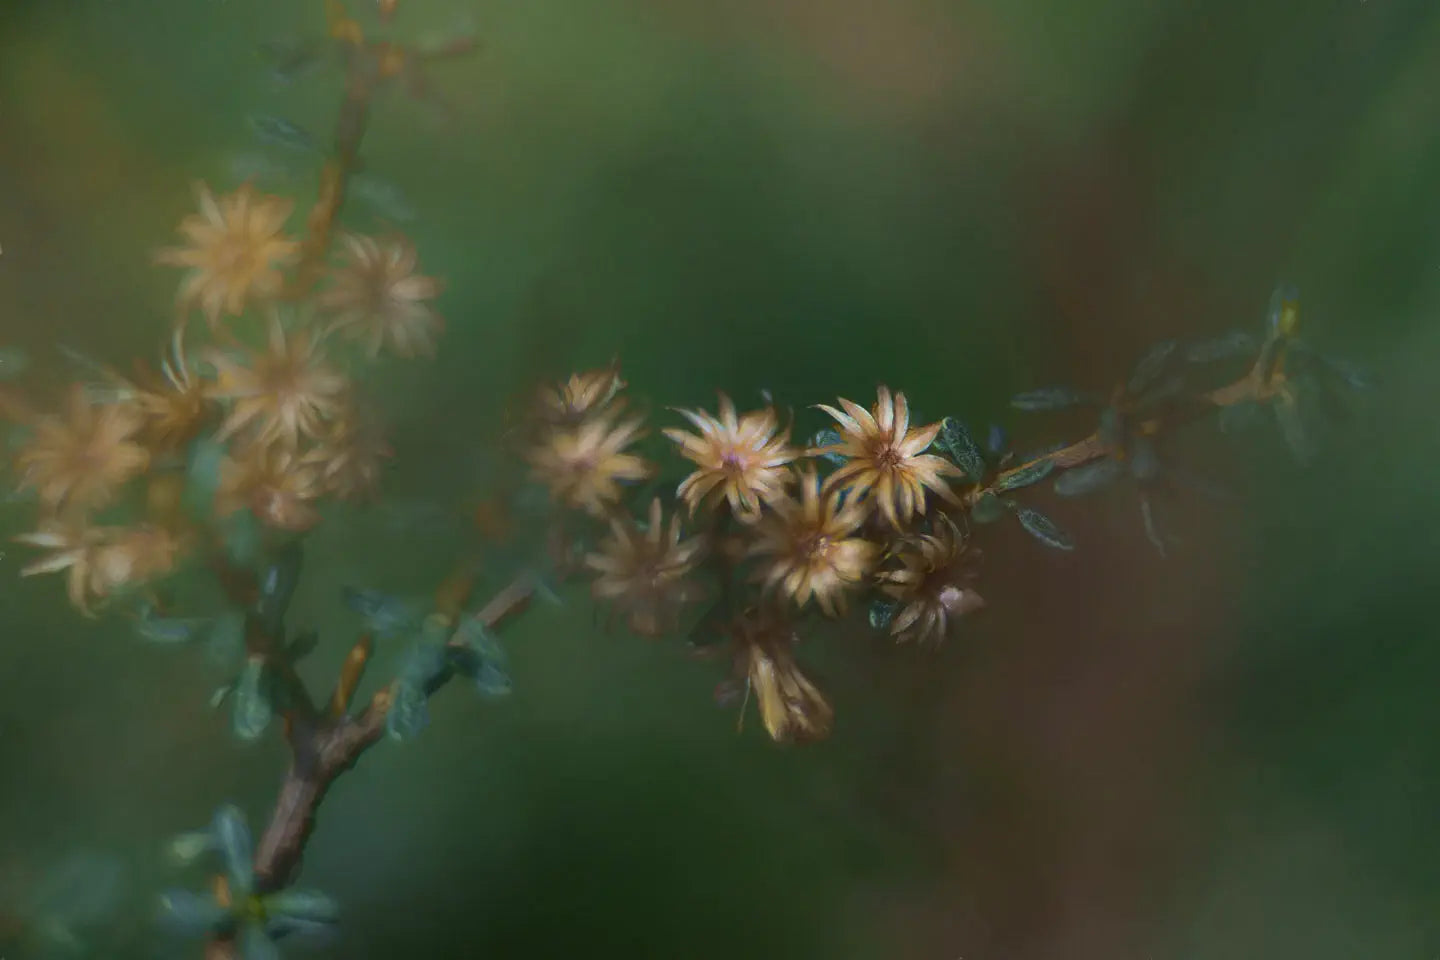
point(1225, 754)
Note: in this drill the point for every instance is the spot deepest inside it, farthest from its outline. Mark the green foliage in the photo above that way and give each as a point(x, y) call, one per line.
point(1044, 529)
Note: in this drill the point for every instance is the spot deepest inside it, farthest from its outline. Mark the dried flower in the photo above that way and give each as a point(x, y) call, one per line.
point(932, 583)
point(585, 465)
point(350, 456)
point(101, 560)
point(286, 390)
point(78, 460)
point(811, 548)
point(273, 483)
point(791, 707)
point(568, 402)
point(236, 251)
point(174, 401)
point(887, 458)
point(379, 299)
point(740, 459)
point(643, 570)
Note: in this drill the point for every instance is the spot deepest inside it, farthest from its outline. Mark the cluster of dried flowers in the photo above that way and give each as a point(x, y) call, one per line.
point(763, 516)
point(290, 432)
point(284, 413)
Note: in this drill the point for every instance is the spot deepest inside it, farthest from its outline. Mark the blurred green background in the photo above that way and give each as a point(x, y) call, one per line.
point(1228, 753)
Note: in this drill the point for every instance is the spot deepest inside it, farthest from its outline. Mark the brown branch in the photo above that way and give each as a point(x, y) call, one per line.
point(333, 748)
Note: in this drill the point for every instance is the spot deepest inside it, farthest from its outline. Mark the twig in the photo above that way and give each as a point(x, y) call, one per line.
point(1257, 385)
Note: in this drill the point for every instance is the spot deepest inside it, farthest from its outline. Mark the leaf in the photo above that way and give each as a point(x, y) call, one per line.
point(169, 631)
point(1164, 390)
point(987, 509)
point(1088, 477)
point(1236, 343)
point(310, 931)
point(184, 849)
point(408, 713)
point(1238, 416)
point(1046, 398)
point(225, 642)
point(243, 535)
point(300, 904)
point(232, 839)
point(1152, 532)
point(1024, 476)
point(191, 914)
point(996, 442)
point(543, 586)
point(1150, 366)
point(277, 586)
point(955, 441)
point(478, 655)
point(1298, 436)
point(1112, 427)
point(218, 697)
point(255, 943)
point(202, 475)
point(1144, 459)
point(383, 614)
point(881, 613)
point(1332, 368)
point(303, 645)
point(828, 437)
point(1042, 528)
point(422, 662)
point(251, 708)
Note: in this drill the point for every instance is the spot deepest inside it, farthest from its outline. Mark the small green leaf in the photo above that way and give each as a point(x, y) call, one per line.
point(184, 849)
point(303, 645)
point(255, 943)
point(1042, 528)
point(1112, 427)
point(243, 535)
point(1046, 398)
point(232, 838)
point(1236, 343)
point(191, 914)
point(225, 642)
point(301, 904)
point(1238, 416)
point(954, 441)
point(1152, 531)
point(1144, 459)
point(251, 709)
point(987, 509)
point(202, 476)
point(881, 613)
point(1026, 475)
point(408, 713)
point(828, 437)
point(1298, 435)
point(1088, 477)
point(1150, 366)
point(218, 697)
point(422, 662)
point(277, 586)
point(478, 655)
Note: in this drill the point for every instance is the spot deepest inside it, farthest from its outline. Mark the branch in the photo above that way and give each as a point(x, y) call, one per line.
point(334, 747)
point(1258, 384)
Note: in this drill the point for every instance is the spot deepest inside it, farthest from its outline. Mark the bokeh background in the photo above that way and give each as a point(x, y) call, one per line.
point(1227, 753)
